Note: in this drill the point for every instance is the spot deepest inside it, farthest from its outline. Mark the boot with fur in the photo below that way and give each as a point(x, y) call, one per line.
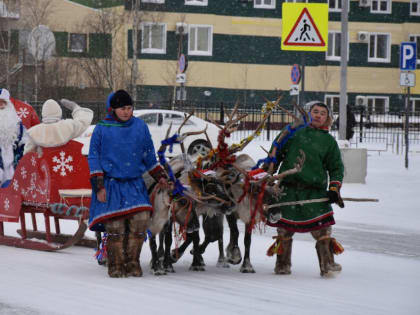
point(284, 261)
point(326, 257)
point(134, 245)
point(115, 256)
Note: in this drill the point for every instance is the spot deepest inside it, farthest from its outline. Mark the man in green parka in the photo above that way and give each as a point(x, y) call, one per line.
point(323, 169)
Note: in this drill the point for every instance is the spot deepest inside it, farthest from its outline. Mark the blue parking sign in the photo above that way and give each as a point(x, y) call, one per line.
point(408, 56)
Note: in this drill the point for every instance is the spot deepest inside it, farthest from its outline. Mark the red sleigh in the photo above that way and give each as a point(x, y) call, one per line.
point(55, 185)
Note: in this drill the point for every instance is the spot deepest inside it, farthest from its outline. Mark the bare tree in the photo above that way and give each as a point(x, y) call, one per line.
point(9, 14)
point(35, 18)
point(134, 66)
point(111, 71)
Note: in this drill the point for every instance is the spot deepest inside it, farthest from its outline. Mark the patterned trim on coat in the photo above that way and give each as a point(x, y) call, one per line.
point(120, 212)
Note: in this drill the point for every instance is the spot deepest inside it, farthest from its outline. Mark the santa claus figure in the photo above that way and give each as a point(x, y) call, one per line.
point(12, 138)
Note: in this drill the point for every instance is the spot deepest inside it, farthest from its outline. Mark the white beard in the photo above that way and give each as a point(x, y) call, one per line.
point(9, 120)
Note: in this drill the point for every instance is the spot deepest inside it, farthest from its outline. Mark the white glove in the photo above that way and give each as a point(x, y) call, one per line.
point(69, 104)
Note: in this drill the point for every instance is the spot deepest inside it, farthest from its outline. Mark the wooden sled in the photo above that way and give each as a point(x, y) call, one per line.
point(55, 185)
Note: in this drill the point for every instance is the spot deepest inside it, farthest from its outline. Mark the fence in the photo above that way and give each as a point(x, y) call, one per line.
point(385, 128)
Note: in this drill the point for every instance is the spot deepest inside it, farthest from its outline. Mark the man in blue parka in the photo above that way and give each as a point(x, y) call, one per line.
point(121, 150)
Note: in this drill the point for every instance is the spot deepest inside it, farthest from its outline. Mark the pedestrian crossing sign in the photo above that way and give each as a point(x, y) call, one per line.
point(305, 26)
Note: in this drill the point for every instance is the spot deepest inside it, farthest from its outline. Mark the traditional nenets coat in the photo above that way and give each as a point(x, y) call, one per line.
point(323, 167)
point(320, 177)
point(120, 152)
point(12, 139)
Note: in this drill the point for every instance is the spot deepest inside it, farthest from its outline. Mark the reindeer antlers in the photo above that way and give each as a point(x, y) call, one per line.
point(267, 113)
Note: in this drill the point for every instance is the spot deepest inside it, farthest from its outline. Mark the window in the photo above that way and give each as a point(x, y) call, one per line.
point(416, 38)
point(334, 46)
point(297, 1)
point(4, 41)
point(333, 101)
point(78, 42)
point(415, 7)
point(176, 119)
point(379, 47)
point(265, 4)
point(153, 38)
point(200, 40)
point(196, 2)
point(380, 6)
point(150, 119)
point(334, 5)
point(153, 1)
point(415, 104)
point(377, 104)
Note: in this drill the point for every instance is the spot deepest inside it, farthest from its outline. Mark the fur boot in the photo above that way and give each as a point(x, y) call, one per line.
point(115, 251)
point(134, 245)
point(137, 225)
point(324, 249)
point(284, 260)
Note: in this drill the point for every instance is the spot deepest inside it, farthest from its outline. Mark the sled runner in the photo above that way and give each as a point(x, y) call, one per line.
point(55, 185)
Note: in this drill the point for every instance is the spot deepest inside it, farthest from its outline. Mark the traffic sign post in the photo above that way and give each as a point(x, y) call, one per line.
point(407, 79)
point(294, 89)
point(295, 74)
point(408, 62)
point(408, 56)
point(305, 26)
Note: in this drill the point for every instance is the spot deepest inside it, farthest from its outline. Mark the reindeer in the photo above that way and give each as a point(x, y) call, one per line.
point(248, 200)
point(249, 207)
point(222, 161)
point(182, 208)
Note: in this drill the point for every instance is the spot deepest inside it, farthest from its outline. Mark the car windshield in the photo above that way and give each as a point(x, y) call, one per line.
point(176, 119)
point(149, 118)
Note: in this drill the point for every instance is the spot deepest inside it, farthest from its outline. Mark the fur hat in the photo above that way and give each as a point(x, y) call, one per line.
point(4, 95)
point(120, 99)
point(51, 112)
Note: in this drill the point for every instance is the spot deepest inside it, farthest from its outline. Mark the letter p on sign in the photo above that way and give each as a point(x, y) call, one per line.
point(408, 56)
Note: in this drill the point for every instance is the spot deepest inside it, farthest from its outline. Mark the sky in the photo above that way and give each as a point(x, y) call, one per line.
point(381, 265)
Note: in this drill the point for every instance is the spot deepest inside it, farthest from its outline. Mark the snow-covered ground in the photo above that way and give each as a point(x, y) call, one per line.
point(381, 266)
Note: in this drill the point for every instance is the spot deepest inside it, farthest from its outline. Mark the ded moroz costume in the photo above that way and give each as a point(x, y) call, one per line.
point(323, 169)
point(121, 150)
point(12, 138)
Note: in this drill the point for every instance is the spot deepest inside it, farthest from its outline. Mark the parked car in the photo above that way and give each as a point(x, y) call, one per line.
point(158, 121)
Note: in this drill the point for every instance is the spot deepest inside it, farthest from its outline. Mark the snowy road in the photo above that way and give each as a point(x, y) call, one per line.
point(70, 282)
point(375, 239)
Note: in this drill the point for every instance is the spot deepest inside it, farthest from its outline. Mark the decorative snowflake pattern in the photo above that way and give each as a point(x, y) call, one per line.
point(6, 204)
point(33, 161)
point(23, 172)
point(32, 189)
point(22, 112)
point(63, 163)
point(15, 185)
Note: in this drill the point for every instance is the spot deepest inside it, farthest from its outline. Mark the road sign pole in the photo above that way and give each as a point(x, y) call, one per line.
point(407, 121)
point(301, 96)
point(343, 71)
